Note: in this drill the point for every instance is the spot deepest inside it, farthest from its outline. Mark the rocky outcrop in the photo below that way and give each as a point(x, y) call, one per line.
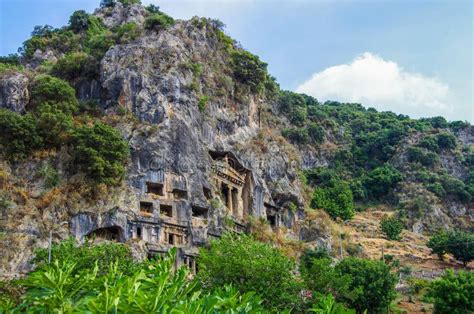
point(14, 93)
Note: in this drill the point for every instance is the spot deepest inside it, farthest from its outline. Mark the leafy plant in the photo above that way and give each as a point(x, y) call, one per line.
point(18, 135)
point(159, 21)
point(391, 227)
point(335, 199)
point(452, 293)
point(249, 265)
point(249, 70)
point(100, 152)
point(371, 283)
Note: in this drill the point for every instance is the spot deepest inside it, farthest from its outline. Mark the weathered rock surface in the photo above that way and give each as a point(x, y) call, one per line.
point(14, 93)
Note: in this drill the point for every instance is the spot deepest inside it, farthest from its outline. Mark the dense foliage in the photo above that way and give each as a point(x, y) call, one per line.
point(336, 199)
point(371, 284)
point(18, 135)
point(456, 242)
point(249, 265)
point(453, 293)
point(391, 227)
point(100, 152)
point(70, 286)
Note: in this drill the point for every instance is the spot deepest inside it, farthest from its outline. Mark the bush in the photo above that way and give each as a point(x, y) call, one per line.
point(430, 143)
point(79, 21)
point(50, 176)
point(455, 188)
point(56, 92)
point(458, 243)
point(336, 200)
point(296, 135)
point(76, 65)
point(310, 254)
point(53, 125)
point(439, 122)
point(391, 227)
point(159, 21)
point(380, 181)
point(416, 154)
point(249, 265)
point(18, 135)
point(328, 305)
point(453, 293)
point(436, 188)
point(446, 141)
point(107, 3)
point(88, 255)
point(249, 70)
point(100, 152)
point(202, 103)
point(316, 133)
point(371, 283)
point(127, 32)
point(151, 287)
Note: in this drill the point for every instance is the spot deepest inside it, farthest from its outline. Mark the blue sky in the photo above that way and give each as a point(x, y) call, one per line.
point(411, 57)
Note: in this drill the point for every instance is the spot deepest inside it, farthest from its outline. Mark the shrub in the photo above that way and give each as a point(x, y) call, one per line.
point(430, 143)
point(50, 176)
point(76, 65)
point(416, 154)
point(320, 277)
point(249, 265)
point(310, 254)
point(86, 256)
point(151, 287)
point(438, 244)
point(452, 293)
point(336, 200)
point(202, 103)
point(153, 9)
point(107, 3)
point(127, 32)
point(18, 135)
point(458, 243)
point(48, 89)
point(316, 133)
point(446, 140)
point(249, 70)
point(439, 122)
point(371, 283)
point(380, 181)
point(100, 152)
point(288, 101)
point(298, 116)
point(53, 125)
point(328, 305)
point(129, 2)
point(79, 21)
point(436, 188)
point(296, 135)
point(159, 21)
point(391, 227)
point(455, 188)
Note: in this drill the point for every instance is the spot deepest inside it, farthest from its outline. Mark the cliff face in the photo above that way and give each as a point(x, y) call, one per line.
point(207, 152)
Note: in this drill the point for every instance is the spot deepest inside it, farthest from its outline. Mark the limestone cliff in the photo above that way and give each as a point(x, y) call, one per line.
point(207, 152)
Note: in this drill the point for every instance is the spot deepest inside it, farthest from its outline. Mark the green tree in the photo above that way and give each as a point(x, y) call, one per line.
point(328, 305)
point(391, 227)
point(461, 245)
point(53, 125)
point(380, 181)
point(446, 140)
point(316, 133)
point(249, 70)
point(18, 135)
point(79, 21)
point(335, 199)
point(249, 265)
point(159, 21)
point(438, 244)
point(76, 65)
point(48, 89)
point(100, 152)
point(453, 293)
point(152, 287)
point(371, 283)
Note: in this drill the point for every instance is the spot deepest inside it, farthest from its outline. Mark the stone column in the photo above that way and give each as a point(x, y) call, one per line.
point(229, 198)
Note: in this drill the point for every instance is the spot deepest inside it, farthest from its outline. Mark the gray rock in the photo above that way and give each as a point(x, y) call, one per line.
point(14, 93)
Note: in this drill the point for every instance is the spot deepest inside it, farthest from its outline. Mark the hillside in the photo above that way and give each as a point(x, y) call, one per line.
point(132, 126)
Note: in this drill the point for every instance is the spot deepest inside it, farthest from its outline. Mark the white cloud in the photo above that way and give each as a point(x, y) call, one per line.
point(384, 85)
